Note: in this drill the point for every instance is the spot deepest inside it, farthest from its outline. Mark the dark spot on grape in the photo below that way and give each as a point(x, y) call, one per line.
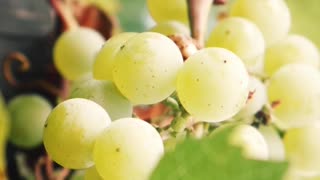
point(201, 62)
point(152, 87)
point(275, 104)
point(225, 61)
point(209, 105)
point(45, 125)
point(153, 76)
point(227, 32)
point(197, 80)
point(117, 149)
point(121, 47)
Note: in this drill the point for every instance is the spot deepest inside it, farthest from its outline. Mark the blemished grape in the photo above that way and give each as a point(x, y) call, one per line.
point(248, 138)
point(274, 142)
point(75, 50)
point(294, 91)
point(92, 174)
point(213, 84)
point(166, 10)
point(28, 114)
point(106, 95)
point(257, 100)
point(171, 28)
point(243, 38)
point(71, 130)
point(271, 16)
point(129, 149)
point(146, 67)
point(292, 49)
point(302, 148)
point(103, 63)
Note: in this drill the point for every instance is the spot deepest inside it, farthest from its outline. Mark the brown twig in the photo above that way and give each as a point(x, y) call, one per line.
point(63, 11)
point(198, 11)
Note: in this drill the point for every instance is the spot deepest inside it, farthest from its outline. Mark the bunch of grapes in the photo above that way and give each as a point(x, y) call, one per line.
point(135, 96)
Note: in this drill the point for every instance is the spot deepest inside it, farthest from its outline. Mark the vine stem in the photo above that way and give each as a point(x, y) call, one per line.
point(64, 12)
point(198, 11)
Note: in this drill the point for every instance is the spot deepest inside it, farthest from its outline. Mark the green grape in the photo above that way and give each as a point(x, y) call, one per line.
point(106, 95)
point(271, 16)
point(295, 89)
point(28, 114)
point(243, 38)
point(129, 149)
point(92, 174)
point(146, 67)
point(213, 84)
point(305, 14)
point(103, 64)
point(170, 28)
point(248, 138)
point(166, 10)
point(274, 142)
point(302, 148)
point(71, 130)
point(256, 101)
point(292, 49)
point(75, 50)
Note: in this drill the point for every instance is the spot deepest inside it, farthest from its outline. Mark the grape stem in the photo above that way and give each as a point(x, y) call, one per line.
point(64, 12)
point(198, 12)
point(219, 2)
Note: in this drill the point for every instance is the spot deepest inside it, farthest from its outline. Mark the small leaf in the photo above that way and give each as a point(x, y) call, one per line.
point(213, 158)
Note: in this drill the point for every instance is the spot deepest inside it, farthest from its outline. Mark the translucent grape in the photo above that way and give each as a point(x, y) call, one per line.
point(274, 142)
point(271, 16)
point(302, 148)
point(165, 10)
point(257, 99)
point(92, 174)
point(146, 67)
point(103, 64)
point(213, 84)
point(248, 138)
point(71, 130)
point(170, 28)
point(243, 38)
point(292, 49)
point(294, 90)
point(75, 50)
point(129, 149)
point(28, 114)
point(4, 133)
point(106, 95)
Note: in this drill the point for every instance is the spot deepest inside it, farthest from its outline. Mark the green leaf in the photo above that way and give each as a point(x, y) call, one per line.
point(213, 158)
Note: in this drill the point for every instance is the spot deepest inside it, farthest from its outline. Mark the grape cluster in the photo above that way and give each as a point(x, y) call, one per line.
point(252, 72)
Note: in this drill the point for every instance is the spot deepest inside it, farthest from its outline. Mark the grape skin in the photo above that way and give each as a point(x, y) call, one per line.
point(213, 84)
point(103, 63)
point(106, 95)
point(271, 16)
point(28, 114)
point(71, 130)
point(75, 50)
point(146, 67)
point(92, 174)
point(293, 49)
point(243, 38)
point(170, 28)
point(295, 88)
point(129, 149)
point(165, 10)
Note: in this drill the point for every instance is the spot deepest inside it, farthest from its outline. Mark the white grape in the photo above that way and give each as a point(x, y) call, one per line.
point(295, 92)
point(146, 67)
point(71, 130)
point(213, 84)
point(129, 149)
